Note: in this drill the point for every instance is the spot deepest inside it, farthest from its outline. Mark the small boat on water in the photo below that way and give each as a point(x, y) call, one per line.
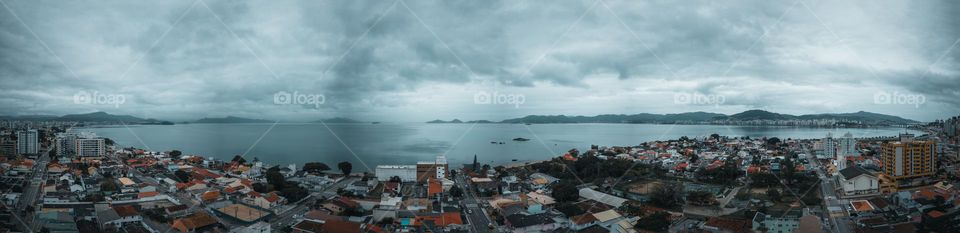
point(521, 139)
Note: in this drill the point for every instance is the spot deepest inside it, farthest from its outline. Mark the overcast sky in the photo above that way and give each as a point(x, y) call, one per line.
point(422, 60)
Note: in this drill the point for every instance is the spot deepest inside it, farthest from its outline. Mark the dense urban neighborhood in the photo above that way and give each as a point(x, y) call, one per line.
point(60, 179)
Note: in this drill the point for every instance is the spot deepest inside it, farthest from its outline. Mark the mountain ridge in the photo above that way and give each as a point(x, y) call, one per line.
point(861, 117)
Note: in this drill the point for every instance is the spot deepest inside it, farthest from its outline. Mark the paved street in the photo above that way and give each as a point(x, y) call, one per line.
point(289, 217)
point(476, 217)
point(32, 194)
point(828, 193)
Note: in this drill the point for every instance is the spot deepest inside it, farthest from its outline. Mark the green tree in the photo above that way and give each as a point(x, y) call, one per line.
point(565, 191)
point(667, 196)
point(787, 170)
point(182, 175)
point(239, 159)
point(701, 198)
point(569, 209)
point(715, 136)
point(774, 195)
point(455, 191)
point(315, 167)
point(396, 179)
point(175, 153)
point(658, 222)
point(275, 179)
point(345, 167)
point(108, 186)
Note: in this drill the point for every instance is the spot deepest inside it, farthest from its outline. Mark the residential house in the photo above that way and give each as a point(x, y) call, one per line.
point(520, 223)
point(582, 221)
point(339, 205)
point(726, 225)
point(197, 222)
point(857, 181)
point(117, 216)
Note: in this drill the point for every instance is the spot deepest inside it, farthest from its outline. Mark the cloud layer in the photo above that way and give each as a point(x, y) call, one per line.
point(420, 60)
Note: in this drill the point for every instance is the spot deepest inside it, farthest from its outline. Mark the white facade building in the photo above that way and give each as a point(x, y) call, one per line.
point(856, 181)
point(84, 144)
point(829, 146)
point(90, 147)
point(848, 145)
point(407, 173)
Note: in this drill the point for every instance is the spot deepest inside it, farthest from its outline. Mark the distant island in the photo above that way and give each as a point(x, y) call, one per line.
point(458, 121)
point(751, 117)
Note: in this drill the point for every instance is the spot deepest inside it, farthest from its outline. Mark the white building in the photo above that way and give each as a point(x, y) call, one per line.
point(90, 147)
point(848, 145)
point(407, 173)
point(84, 144)
point(601, 197)
point(27, 142)
point(856, 181)
point(829, 146)
point(788, 222)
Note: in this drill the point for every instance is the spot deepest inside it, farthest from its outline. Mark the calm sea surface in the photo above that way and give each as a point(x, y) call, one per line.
point(368, 145)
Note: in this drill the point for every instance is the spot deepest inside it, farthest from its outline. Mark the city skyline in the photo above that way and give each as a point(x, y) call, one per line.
point(417, 61)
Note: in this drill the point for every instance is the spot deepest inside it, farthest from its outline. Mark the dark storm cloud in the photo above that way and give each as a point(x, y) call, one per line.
point(187, 59)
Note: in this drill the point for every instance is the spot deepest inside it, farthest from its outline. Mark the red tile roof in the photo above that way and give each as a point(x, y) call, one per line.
point(192, 222)
point(272, 197)
point(434, 187)
point(126, 211)
point(342, 226)
point(935, 213)
point(147, 194)
point(734, 225)
point(442, 220)
point(210, 196)
point(583, 219)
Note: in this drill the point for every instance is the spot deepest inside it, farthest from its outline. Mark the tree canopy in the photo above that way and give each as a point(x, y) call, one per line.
point(565, 191)
point(345, 167)
point(315, 167)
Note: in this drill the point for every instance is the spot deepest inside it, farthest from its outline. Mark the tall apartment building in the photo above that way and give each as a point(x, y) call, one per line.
point(28, 142)
point(81, 145)
point(66, 144)
point(90, 147)
point(951, 126)
point(8, 147)
point(907, 159)
point(847, 146)
point(829, 146)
